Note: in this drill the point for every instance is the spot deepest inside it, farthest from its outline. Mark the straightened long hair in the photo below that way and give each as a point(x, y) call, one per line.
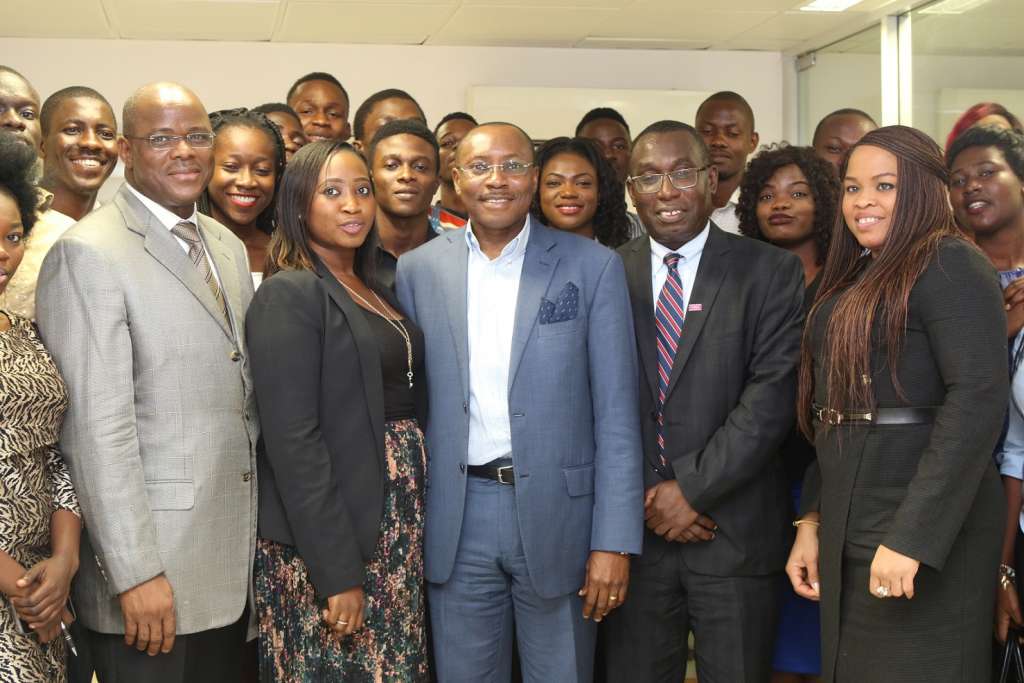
point(290, 244)
point(878, 287)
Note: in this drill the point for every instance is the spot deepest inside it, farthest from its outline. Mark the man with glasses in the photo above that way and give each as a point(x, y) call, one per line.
point(142, 305)
point(718, 321)
point(535, 498)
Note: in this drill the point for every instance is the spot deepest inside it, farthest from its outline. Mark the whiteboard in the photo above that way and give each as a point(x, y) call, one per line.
point(545, 113)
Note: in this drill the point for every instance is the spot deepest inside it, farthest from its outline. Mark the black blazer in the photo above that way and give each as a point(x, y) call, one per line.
point(731, 398)
point(319, 389)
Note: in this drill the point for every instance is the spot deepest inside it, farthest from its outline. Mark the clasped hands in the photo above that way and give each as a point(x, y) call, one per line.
point(668, 514)
point(42, 596)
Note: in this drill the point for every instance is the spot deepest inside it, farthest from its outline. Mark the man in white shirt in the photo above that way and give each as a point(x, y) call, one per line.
point(726, 122)
point(535, 502)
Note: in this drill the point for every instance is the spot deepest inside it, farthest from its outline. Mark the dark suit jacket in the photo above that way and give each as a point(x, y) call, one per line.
point(319, 389)
point(731, 398)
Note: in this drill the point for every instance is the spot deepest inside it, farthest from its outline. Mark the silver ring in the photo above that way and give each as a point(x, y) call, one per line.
point(613, 598)
point(339, 622)
point(882, 591)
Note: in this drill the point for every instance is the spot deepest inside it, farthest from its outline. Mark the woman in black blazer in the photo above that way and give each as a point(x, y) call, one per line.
point(903, 385)
point(338, 380)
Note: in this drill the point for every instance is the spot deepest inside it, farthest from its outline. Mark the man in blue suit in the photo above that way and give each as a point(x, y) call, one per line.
point(535, 497)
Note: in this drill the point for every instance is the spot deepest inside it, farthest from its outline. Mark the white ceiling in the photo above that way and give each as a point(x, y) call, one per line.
point(678, 24)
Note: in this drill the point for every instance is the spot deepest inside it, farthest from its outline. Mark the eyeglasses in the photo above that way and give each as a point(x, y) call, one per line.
point(161, 141)
point(649, 183)
point(514, 168)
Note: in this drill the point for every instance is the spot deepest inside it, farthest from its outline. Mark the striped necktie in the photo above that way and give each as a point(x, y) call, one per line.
point(197, 252)
point(668, 319)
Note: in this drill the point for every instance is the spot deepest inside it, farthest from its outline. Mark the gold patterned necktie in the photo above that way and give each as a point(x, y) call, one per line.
point(187, 231)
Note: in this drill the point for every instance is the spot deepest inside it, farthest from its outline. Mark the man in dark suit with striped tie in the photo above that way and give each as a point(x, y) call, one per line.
point(718, 321)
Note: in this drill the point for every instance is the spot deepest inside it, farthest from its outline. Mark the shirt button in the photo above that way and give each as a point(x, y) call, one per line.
point(236, 355)
point(247, 476)
point(462, 467)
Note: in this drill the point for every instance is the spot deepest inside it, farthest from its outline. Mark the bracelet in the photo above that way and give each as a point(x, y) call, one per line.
point(1007, 576)
point(798, 522)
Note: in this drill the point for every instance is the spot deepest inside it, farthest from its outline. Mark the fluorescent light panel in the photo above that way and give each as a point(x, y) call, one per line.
point(829, 5)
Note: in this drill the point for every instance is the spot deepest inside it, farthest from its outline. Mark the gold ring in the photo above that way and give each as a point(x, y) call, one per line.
point(613, 597)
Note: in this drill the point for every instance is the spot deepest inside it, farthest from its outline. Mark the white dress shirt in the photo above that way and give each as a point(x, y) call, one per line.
point(689, 259)
point(492, 291)
point(169, 219)
point(1011, 458)
point(726, 217)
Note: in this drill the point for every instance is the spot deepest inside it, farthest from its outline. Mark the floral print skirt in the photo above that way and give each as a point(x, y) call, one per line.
point(295, 645)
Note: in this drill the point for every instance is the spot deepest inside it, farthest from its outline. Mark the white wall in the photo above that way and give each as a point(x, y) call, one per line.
point(235, 74)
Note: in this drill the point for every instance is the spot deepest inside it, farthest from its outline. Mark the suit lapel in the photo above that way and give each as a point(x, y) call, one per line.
point(162, 246)
point(227, 270)
point(710, 273)
point(454, 277)
point(638, 276)
point(538, 266)
point(366, 347)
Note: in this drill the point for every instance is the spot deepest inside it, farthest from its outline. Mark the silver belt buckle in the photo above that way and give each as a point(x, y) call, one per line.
point(511, 475)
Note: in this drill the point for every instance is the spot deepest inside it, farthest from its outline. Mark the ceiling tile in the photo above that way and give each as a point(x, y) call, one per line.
point(600, 4)
point(520, 26)
point(643, 44)
point(678, 23)
point(61, 19)
point(800, 26)
point(696, 7)
point(754, 42)
point(382, 23)
point(195, 19)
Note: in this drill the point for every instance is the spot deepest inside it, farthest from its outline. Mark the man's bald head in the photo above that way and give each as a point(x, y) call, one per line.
point(490, 128)
point(159, 95)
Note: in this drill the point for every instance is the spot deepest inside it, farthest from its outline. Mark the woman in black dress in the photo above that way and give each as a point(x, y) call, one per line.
point(904, 387)
point(338, 377)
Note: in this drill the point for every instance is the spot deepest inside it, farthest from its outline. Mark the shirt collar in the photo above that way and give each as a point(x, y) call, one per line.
point(512, 251)
point(167, 218)
point(690, 250)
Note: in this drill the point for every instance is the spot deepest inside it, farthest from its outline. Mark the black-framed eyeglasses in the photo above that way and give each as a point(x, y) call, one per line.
point(649, 183)
point(480, 169)
point(162, 141)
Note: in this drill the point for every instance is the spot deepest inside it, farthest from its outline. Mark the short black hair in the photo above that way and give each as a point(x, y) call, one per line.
point(820, 176)
point(670, 126)
point(454, 116)
point(598, 114)
point(277, 108)
point(405, 127)
point(54, 101)
point(244, 118)
point(359, 120)
point(735, 98)
point(17, 163)
point(1009, 142)
point(611, 226)
point(317, 76)
point(845, 111)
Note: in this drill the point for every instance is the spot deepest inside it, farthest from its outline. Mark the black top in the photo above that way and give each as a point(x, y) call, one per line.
point(797, 451)
point(387, 263)
point(399, 397)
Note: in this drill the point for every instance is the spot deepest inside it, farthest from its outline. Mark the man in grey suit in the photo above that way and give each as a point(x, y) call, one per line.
point(142, 305)
point(535, 500)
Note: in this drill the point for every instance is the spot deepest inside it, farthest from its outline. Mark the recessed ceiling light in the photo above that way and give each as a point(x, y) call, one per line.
point(828, 5)
point(953, 6)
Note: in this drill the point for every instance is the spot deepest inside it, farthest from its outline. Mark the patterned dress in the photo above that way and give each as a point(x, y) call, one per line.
point(33, 483)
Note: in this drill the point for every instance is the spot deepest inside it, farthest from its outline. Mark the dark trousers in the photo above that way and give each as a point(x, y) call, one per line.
point(213, 656)
point(733, 620)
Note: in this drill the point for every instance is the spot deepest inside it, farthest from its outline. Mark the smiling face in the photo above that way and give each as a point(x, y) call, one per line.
point(404, 175)
point(568, 193)
point(613, 139)
point(291, 132)
point(80, 148)
point(785, 207)
point(985, 192)
point(12, 238)
point(672, 216)
point(495, 201)
point(729, 134)
point(837, 134)
point(869, 195)
point(242, 185)
point(323, 109)
point(449, 135)
point(173, 178)
point(341, 213)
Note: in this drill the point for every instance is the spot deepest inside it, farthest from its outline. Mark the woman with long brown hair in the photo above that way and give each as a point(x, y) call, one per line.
point(903, 389)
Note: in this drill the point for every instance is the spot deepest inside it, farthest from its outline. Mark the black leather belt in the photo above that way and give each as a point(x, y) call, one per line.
point(502, 474)
point(879, 416)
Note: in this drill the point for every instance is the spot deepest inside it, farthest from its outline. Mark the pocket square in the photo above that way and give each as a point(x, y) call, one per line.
point(562, 308)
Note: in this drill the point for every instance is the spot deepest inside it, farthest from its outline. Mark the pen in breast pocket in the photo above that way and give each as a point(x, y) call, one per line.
point(67, 638)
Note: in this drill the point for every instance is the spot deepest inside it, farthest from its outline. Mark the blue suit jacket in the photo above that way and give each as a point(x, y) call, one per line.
point(572, 400)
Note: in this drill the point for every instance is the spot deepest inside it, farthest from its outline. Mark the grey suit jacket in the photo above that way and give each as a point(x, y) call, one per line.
point(572, 400)
point(162, 426)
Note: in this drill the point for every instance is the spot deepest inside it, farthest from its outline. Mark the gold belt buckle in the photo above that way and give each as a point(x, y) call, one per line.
point(830, 416)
